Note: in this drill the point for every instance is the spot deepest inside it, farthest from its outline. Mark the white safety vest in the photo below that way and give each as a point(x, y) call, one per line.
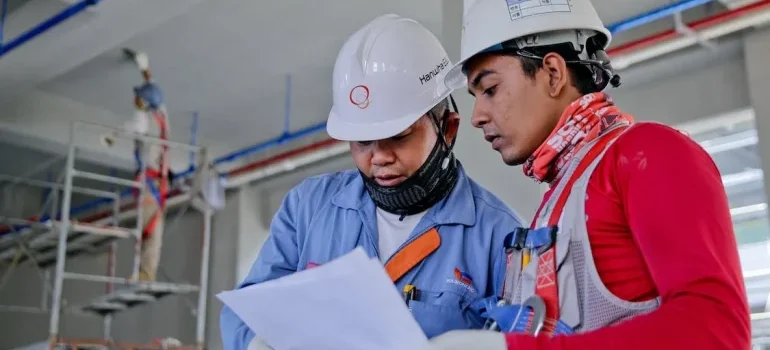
point(584, 302)
point(146, 124)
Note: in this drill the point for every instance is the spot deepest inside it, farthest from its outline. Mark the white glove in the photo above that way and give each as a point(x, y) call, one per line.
point(467, 340)
point(258, 344)
point(142, 61)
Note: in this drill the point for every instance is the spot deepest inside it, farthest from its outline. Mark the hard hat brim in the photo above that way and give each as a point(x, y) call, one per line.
point(455, 78)
point(340, 129)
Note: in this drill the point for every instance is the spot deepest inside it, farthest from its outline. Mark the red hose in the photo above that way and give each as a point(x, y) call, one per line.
point(277, 158)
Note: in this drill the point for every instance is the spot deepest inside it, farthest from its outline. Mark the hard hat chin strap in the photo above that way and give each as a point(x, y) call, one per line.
point(442, 125)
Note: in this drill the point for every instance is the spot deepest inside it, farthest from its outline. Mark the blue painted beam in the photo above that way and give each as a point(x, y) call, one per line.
point(46, 25)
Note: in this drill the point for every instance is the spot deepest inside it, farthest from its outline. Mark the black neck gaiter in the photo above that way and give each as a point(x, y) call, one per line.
point(431, 183)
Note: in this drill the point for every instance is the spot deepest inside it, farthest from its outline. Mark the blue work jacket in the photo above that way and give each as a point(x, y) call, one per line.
point(329, 215)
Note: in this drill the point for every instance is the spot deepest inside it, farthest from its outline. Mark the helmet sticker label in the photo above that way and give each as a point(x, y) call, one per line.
point(435, 71)
point(359, 96)
point(523, 8)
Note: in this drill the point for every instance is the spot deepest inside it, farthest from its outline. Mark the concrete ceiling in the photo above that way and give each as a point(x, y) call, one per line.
point(227, 60)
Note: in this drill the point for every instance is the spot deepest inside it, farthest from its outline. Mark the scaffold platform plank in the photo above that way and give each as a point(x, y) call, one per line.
point(124, 298)
point(42, 238)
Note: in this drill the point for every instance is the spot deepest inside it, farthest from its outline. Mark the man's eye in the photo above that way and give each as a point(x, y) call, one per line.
point(490, 91)
point(364, 143)
point(399, 137)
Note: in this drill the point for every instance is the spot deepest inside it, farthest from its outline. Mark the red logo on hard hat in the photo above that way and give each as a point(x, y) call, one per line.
point(359, 96)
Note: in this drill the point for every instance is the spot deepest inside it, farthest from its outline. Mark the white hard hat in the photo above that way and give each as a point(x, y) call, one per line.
point(388, 74)
point(489, 23)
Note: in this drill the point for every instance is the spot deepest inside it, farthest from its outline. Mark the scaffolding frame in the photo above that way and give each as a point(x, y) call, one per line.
point(63, 226)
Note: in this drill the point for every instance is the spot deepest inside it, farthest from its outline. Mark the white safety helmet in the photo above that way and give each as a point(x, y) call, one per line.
point(388, 74)
point(488, 24)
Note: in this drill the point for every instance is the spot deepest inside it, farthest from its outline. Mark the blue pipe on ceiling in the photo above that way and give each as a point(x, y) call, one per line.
point(46, 25)
point(287, 106)
point(193, 139)
point(287, 136)
point(654, 15)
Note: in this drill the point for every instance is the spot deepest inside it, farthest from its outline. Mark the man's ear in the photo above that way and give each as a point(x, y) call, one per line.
point(556, 67)
point(452, 126)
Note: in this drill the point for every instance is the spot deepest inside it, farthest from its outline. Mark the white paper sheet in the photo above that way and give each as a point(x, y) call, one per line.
point(348, 303)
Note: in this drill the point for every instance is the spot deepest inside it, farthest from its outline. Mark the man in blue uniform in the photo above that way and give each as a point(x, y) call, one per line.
point(409, 202)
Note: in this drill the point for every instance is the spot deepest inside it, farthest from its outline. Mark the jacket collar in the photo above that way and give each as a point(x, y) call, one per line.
point(456, 208)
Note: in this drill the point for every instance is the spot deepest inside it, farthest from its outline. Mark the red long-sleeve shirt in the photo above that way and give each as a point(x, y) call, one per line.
point(659, 224)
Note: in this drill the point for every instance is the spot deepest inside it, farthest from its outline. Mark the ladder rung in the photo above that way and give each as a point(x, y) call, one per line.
point(23, 222)
point(137, 287)
point(54, 185)
point(133, 297)
point(164, 287)
point(105, 305)
point(105, 178)
point(44, 240)
point(104, 231)
point(95, 278)
point(134, 136)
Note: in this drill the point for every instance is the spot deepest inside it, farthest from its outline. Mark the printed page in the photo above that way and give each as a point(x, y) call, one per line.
point(348, 303)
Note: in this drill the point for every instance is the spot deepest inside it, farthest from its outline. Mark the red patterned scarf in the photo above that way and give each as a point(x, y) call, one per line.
point(583, 121)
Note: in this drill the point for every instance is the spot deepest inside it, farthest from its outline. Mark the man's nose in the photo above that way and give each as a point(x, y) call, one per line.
point(382, 155)
point(479, 117)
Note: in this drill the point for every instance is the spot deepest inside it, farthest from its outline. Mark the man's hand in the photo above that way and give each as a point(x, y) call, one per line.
point(468, 340)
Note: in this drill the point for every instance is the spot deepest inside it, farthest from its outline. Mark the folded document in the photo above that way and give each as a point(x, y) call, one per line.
point(349, 303)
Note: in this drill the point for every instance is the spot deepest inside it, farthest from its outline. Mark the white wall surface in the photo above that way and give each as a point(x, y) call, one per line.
point(252, 228)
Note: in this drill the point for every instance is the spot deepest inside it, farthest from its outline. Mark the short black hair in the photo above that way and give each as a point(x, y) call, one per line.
point(582, 77)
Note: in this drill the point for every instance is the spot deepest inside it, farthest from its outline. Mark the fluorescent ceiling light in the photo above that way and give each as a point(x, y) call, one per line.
point(756, 273)
point(720, 121)
point(749, 209)
point(741, 178)
point(730, 142)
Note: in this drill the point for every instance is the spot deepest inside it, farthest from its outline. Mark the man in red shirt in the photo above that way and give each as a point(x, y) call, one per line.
point(633, 245)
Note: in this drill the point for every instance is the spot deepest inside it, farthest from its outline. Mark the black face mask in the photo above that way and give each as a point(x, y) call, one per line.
point(432, 182)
